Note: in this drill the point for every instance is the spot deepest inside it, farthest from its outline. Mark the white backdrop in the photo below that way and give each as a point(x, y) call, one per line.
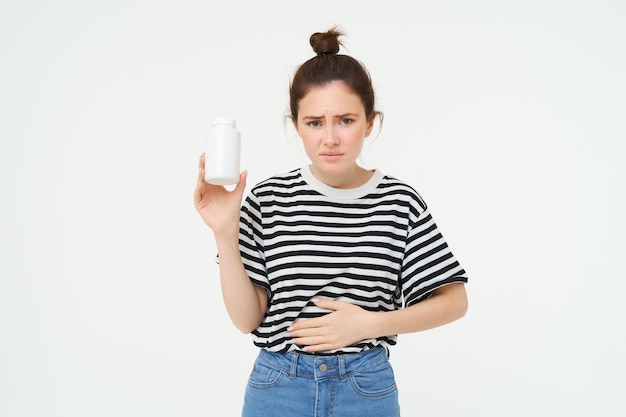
point(508, 117)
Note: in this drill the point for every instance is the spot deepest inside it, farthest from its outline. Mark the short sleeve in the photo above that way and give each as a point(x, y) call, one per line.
point(251, 241)
point(428, 261)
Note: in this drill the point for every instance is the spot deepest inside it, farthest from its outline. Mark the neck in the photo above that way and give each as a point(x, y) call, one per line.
point(353, 177)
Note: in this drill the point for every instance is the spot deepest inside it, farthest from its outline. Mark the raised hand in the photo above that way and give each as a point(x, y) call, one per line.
point(218, 207)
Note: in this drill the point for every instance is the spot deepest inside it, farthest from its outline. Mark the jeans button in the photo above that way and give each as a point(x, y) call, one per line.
point(323, 367)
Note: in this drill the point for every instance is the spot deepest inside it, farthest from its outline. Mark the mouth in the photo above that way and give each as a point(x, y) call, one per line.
point(331, 156)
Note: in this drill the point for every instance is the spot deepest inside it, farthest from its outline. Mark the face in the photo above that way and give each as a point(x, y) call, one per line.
point(333, 125)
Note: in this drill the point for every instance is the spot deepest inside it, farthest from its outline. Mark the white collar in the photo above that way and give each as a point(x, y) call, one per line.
point(341, 193)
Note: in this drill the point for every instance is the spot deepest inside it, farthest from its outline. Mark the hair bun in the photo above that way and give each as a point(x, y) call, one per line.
point(326, 43)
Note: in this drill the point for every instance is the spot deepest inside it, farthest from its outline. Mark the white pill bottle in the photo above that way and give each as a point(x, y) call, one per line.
point(221, 157)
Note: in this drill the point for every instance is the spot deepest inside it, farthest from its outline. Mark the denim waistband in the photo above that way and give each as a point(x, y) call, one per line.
point(323, 367)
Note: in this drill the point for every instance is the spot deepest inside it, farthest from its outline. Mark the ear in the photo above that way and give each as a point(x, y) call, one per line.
point(295, 124)
point(370, 125)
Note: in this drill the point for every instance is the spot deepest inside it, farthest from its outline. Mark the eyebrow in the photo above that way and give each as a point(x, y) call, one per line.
point(339, 116)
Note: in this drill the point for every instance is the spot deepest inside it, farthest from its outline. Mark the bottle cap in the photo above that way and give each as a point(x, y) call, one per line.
point(224, 121)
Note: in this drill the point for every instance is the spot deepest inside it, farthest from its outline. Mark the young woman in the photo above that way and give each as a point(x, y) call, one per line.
point(326, 264)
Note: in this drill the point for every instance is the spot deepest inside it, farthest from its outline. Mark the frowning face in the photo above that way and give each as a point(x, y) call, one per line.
point(333, 125)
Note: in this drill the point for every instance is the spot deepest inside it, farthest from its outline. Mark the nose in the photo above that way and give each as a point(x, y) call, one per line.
point(331, 136)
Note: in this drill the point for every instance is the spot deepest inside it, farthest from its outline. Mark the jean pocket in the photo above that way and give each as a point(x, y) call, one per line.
point(374, 382)
point(263, 377)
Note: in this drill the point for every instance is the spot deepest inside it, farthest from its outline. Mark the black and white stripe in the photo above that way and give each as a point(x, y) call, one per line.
point(376, 246)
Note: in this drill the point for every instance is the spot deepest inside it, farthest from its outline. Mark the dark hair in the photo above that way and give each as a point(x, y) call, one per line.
point(329, 66)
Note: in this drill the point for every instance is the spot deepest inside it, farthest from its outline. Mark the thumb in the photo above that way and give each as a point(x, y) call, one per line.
point(241, 185)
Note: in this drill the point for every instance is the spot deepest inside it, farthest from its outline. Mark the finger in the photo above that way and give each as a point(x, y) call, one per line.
point(200, 176)
point(327, 304)
point(198, 192)
point(201, 169)
point(306, 324)
point(241, 185)
point(324, 347)
point(200, 187)
point(309, 341)
point(305, 332)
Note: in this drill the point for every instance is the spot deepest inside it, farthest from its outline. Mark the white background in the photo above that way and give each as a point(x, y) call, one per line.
point(507, 116)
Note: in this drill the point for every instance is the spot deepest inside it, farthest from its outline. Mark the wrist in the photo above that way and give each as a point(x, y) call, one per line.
point(226, 239)
point(374, 324)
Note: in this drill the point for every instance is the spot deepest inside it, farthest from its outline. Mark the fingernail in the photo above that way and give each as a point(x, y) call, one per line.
point(289, 328)
point(315, 299)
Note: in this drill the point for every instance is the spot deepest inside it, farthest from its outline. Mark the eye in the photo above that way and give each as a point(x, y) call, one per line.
point(346, 121)
point(314, 123)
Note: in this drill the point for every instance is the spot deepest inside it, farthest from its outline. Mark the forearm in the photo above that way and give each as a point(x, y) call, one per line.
point(348, 323)
point(445, 305)
point(243, 300)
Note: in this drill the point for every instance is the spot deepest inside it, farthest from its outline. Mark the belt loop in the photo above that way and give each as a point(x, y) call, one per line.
point(342, 368)
point(294, 365)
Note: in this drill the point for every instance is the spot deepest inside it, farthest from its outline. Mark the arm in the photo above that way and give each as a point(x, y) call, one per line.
point(219, 208)
point(445, 305)
point(245, 302)
point(349, 324)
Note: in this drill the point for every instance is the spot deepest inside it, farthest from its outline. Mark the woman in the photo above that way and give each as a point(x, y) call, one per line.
point(326, 264)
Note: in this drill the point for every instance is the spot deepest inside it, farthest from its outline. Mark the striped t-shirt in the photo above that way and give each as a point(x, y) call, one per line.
point(375, 246)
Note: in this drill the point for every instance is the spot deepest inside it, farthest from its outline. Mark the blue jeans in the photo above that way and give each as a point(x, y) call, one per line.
point(298, 385)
